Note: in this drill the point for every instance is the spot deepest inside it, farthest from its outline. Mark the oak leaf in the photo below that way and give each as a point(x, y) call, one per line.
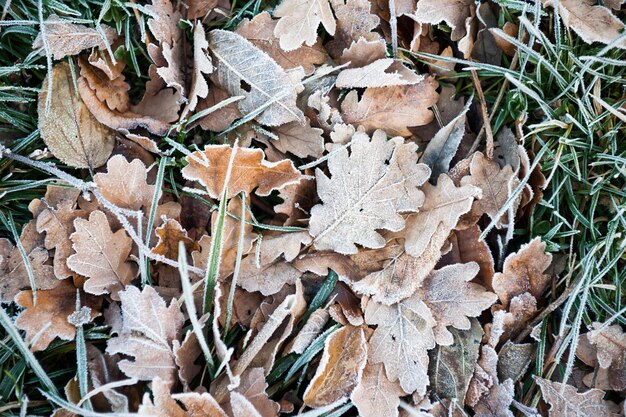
point(610, 344)
point(393, 109)
point(355, 23)
point(114, 92)
point(565, 401)
point(250, 171)
point(444, 205)
point(467, 246)
point(69, 129)
point(101, 255)
point(363, 52)
point(453, 12)
point(497, 401)
point(299, 21)
point(452, 299)
point(201, 65)
point(64, 38)
point(385, 72)
point(149, 327)
point(170, 234)
point(340, 369)
point(302, 140)
point(524, 271)
point(376, 395)
point(125, 183)
point(260, 31)
point(252, 387)
point(368, 189)
point(245, 70)
point(48, 318)
point(592, 23)
point(496, 183)
point(402, 340)
point(165, 404)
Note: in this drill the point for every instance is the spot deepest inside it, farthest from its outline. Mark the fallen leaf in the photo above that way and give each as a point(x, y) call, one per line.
point(101, 255)
point(393, 109)
point(363, 52)
point(222, 118)
point(610, 344)
point(524, 271)
point(125, 184)
point(402, 340)
point(249, 172)
point(514, 360)
point(201, 65)
point(368, 189)
point(311, 329)
point(385, 72)
point(468, 247)
point(452, 367)
point(375, 395)
point(148, 330)
point(68, 128)
point(355, 23)
point(340, 369)
point(63, 38)
point(591, 23)
point(48, 318)
point(453, 12)
point(565, 401)
point(114, 92)
point(170, 234)
point(165, 404)
point(299, 20)
point(260, 31)
point(245, 70)
point(252, 387)
point(102, 369)
point(302, 140)
point(497, 402)
point(444, 205)
point(452, 299)
point(241, 406)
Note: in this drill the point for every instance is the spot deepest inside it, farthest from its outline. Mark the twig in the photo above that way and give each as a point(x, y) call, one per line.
point(483, 107)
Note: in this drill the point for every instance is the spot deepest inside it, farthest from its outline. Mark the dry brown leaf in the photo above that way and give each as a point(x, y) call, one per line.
point(201, 65)
point(375, 395)
point(115, 120)
point(298, 198)
point(222, 118)
point(355, 23)
point(565, 401)
point(497, 401)
point(148, 329)
point(453, 12)
point(591, 23)
point(260, 31)
point(250, 171)
point(610, 343)
point(48, 318)
point(402, 340)
point(272, 273)
point(58, 224)
point(368, 189)
point(467, 247)
point(252, 387)
point(69, 129)
point(363, 52)
point(165, 404)
point(64, 38)
point(524, 271)
point(311, 329)
point(340, 369)
point(302, 140)
point(496, 183)
point(125, 184)
point(114, 92)
point(444, 205)
point(13, 273)
point(170, 234)
point(102, 370)
point(393, 109)
point(452, 299)
point(101, 255)
point(508, 324)
point(386, 72)
point(100, 59)
point(299, 21)
point(245, 70)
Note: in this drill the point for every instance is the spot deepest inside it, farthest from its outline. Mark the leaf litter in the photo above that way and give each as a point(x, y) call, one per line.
point(363, 283)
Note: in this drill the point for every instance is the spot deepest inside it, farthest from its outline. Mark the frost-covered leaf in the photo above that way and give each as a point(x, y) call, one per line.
point(299, 20)
point(101, 255)
point(376, 396)
point(453, 12)
point(340, 369)
point(125, 183)
point(69, 129)
point(610, 343)
point(367, 190)
point(149, 327)
point(249, 172)
point(299, 139)
point(385, 72)
point(165, 404)
point(565, 401)
point(114, 92)
point(201, 65)
point(245, 70)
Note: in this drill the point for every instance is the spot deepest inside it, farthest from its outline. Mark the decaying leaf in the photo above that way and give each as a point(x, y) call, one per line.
point(299, 21)
point(355, 24)
point(523, 271)
point(249, 172)
point(125, 184)
point(565, 401)
point(245, 70)
point(69, 129)
point(48, 318)
point(170, 234)
point(112, 91)
point(393, 109)
point(367, 190)
point(299, 139)
point(148, 328)
point(610, 343)
point(375, 395)
point(444, 205)
point(385, 72)
point(340, 369)
point(453, 12)
point(164, 404)
point(64, 38)
point(101, 255)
